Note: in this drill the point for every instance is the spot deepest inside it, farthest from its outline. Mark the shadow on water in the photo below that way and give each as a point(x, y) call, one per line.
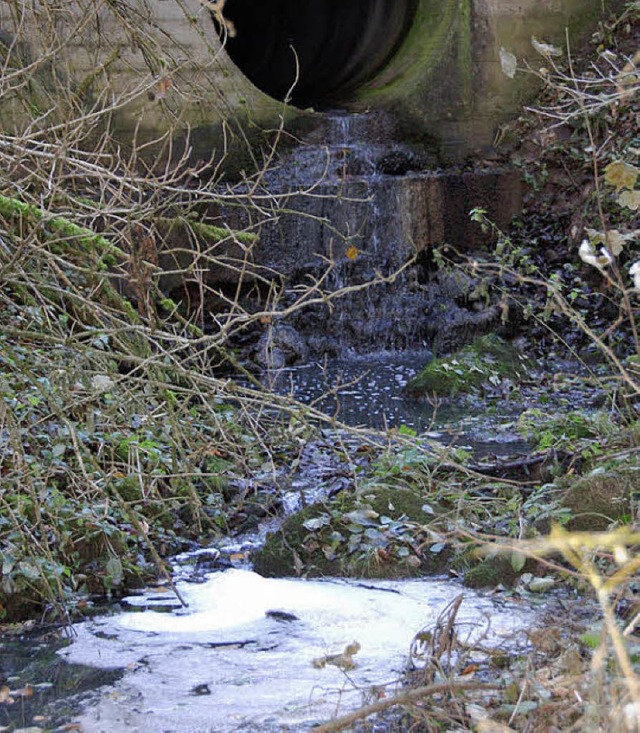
point(38, 687)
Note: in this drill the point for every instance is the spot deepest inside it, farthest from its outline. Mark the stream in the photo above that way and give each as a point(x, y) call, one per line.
point(243, 653)
point(369, 392)
point(253, 654)
point(241, 656)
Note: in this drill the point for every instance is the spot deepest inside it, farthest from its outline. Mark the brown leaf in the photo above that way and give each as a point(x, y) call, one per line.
point(469, 669)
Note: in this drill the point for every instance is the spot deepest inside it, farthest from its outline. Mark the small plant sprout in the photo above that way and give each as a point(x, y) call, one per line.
point(634, 271)
point(589, 255)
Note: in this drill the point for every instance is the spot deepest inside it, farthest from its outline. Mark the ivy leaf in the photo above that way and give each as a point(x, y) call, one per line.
point(28, 569)
point(363, 517)
point(316, 523)
point(58, 450)
point(621, 175)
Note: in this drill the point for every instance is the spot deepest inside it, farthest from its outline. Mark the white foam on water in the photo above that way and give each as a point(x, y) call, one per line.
point(259, 670)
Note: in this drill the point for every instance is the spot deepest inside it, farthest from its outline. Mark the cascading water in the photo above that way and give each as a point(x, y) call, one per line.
point(361, 212)
point(357, 215)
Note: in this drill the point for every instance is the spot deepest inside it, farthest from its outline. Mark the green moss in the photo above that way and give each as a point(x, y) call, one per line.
point(491, 572)
point(355, 536)
point(206, 231)
point(422, 52)
point(128, 488)
point(488, 359)
point(601, 498)
point(12, 208)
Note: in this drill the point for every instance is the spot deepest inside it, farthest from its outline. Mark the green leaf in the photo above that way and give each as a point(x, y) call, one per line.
point(58, 450)
point(316, 523)
point(28, 570)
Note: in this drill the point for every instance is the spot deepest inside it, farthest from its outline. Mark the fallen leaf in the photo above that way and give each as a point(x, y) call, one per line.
point(545, 49)
point(238, 556)
point(352, 252)
point(469, 669)
point(630, 199)
point(621, 175)
point(508, 63)
point(615, 242)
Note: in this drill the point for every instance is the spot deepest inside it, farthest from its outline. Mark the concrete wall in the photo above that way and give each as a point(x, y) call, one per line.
point(447, 77)
point(160, 65)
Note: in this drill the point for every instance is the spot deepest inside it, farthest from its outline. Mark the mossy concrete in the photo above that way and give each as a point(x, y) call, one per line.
point(164, 61)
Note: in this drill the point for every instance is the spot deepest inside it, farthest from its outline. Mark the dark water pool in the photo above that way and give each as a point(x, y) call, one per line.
point(38, 688)
point(370, 393)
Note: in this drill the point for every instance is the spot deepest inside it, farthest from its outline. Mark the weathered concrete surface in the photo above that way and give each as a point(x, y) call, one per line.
point(160, 64)
point(447, 77)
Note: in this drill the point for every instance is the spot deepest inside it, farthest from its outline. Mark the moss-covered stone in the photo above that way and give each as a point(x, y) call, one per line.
point(490, 572)
point(488, 359)
point(368, 535)
point(602, 497)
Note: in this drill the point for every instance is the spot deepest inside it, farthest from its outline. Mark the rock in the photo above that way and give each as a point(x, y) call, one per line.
point(281, 345)
point(490, 572)
point(601, 497)
point(353, 536)
point(397, 163)
point(488, 360)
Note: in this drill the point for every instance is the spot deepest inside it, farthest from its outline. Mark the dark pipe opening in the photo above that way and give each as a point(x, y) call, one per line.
point(339, 44)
